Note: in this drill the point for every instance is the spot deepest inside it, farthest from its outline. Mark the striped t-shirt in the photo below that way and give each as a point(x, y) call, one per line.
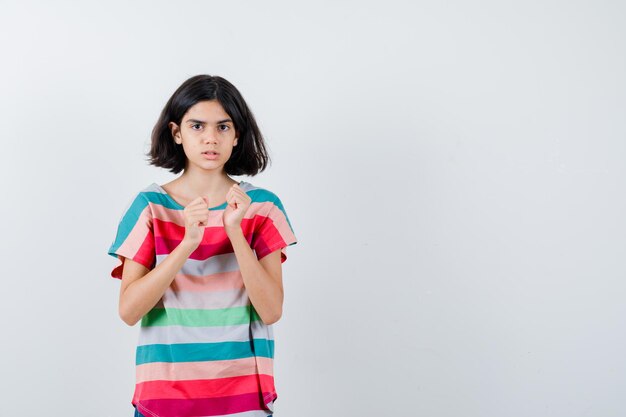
point(202, 349)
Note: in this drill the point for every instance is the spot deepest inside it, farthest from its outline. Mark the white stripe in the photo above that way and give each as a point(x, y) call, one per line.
point(226, 262)
point(152, 335)
point(207, 300)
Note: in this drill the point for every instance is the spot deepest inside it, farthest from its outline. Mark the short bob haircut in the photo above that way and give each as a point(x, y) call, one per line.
point(249, 157)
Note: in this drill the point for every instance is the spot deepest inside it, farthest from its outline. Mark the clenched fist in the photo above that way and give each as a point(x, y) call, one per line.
point(238, 203)
point(196, 216)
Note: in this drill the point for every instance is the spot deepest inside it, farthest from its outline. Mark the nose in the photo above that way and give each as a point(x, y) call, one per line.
point(210, 137)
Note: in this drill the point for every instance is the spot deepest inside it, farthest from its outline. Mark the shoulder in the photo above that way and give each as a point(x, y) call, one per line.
point(265, 202)
point(260, 194)
point(139, 200)
point(145, 195)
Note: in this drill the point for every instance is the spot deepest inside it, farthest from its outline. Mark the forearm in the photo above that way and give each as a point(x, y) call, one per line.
point(265, 294)
point(143, 294)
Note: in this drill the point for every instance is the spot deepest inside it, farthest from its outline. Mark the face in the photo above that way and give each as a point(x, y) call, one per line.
point(206, 127)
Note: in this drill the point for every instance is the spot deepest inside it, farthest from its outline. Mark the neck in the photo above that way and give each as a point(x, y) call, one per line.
point(203, 182)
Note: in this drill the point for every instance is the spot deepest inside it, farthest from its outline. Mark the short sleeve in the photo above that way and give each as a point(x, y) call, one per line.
point(135, 237)
point(274, 230)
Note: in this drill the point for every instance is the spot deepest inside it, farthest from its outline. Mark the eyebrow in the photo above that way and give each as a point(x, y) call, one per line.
point(203, 122)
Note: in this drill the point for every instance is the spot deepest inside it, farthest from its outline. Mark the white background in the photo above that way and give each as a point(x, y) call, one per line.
point(454, 173)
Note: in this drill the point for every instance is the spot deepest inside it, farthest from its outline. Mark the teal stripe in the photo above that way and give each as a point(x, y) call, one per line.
point(156, 197)
point(191, 352)
point(260, 195)
point(128, 222)
point(264, 347)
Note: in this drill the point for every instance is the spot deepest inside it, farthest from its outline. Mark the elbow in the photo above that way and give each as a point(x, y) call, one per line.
point(273, 318)
point(131, 321)
point(127, 318)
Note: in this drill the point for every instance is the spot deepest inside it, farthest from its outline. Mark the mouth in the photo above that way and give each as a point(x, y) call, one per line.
point(210, 155)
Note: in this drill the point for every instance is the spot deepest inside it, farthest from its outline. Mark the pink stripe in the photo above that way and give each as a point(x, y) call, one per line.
point(137, 235)
point(280, 223)
point(219, 281)
point(215, 216)
point(198, 370)
point(266, 365)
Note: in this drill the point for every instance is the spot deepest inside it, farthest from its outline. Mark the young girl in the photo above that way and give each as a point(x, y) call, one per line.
point(201, 262)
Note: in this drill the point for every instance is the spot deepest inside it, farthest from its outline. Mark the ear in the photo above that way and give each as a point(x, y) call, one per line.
point(175, 132)
point(235, 142)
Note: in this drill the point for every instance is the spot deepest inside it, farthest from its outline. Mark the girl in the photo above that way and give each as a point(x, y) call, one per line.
point(201, 262)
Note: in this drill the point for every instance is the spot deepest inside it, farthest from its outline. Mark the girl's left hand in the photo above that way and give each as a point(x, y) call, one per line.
point(237, 205)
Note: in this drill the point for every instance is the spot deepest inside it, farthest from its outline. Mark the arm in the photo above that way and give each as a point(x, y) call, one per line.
point(262, 278)
point(142, 288)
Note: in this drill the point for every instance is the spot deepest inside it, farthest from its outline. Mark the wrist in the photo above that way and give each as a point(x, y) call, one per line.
point(186, 246)
point(233, 230)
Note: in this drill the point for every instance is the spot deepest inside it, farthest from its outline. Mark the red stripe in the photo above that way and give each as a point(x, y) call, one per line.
point(202, 388)
point(203, 406)
point(145, 254)
point(268, 240)
point(214, 242)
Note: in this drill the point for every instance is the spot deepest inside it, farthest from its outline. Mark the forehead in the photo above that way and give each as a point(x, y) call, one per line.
point(210, 111)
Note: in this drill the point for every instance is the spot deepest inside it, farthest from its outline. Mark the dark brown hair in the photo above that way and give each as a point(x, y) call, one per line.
point(249, 157)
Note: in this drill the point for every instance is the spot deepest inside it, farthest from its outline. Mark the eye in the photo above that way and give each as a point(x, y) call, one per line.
point(225, 126)
point(195, 124)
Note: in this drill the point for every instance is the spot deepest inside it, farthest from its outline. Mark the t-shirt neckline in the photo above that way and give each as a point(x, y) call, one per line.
point(181, 207)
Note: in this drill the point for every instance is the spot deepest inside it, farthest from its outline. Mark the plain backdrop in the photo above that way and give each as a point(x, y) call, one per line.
point(453, 171)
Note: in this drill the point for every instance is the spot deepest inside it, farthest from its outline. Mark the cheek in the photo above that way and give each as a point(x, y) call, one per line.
point(189, 150)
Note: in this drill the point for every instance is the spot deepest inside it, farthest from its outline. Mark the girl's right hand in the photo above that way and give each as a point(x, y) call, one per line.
point(196, 216)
